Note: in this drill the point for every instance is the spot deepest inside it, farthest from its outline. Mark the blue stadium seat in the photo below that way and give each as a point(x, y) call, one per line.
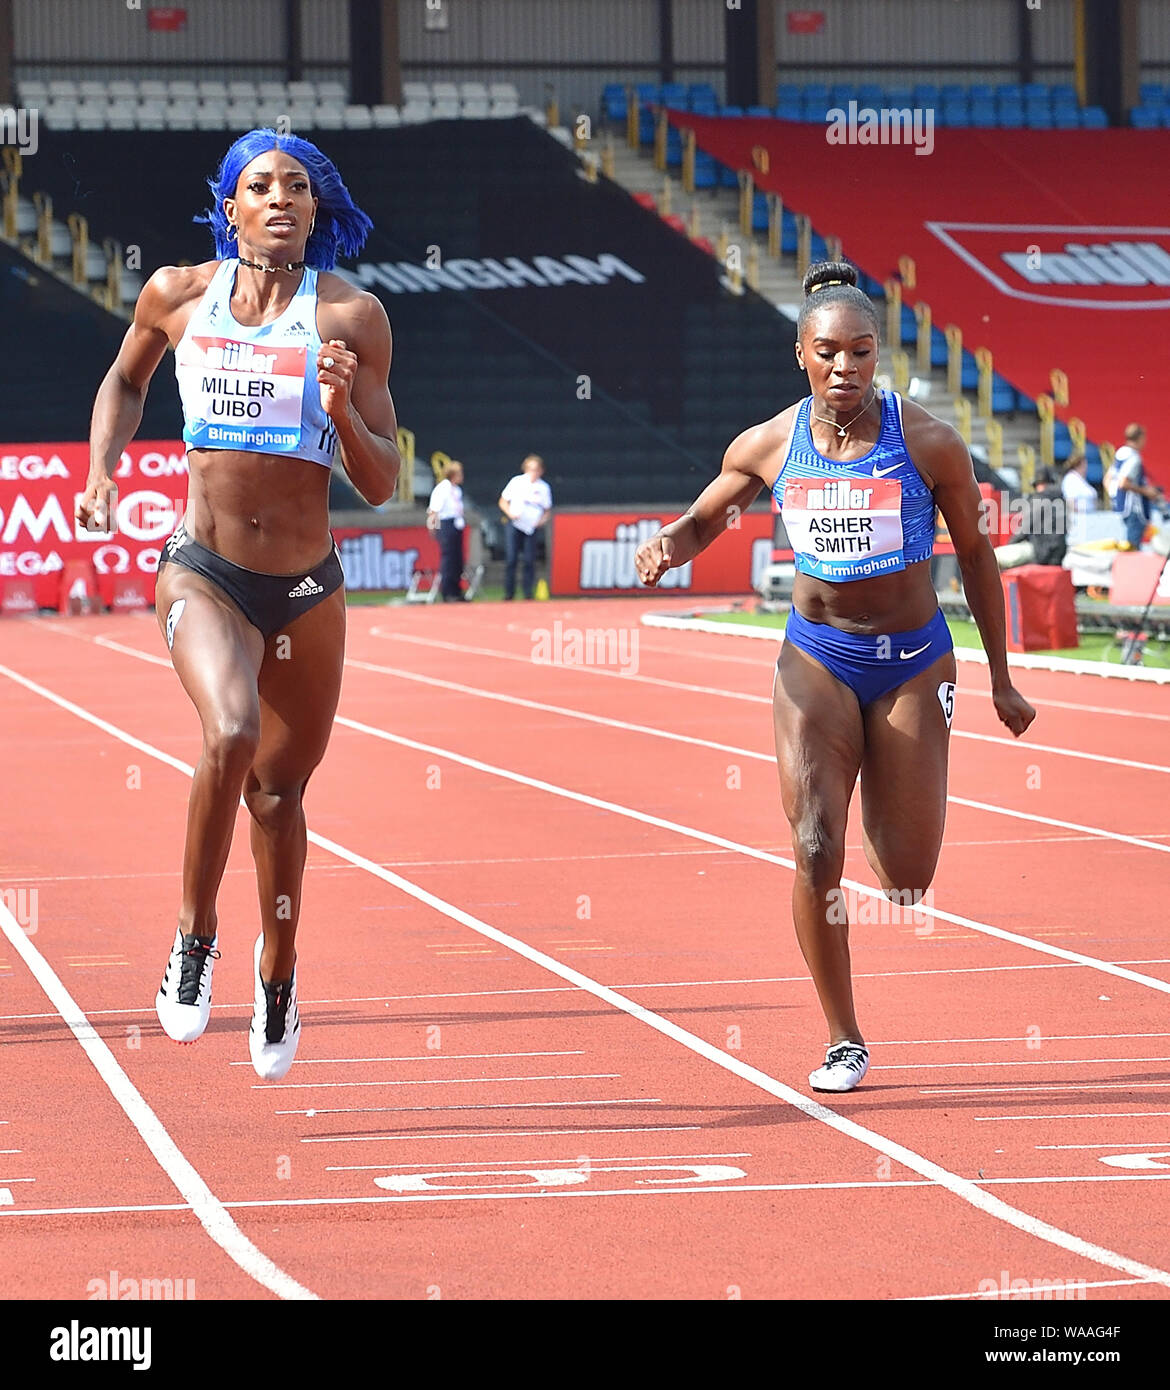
point(1146, 117)
point(1003, 396)
point(674, 94)
point(645, 126)
point(841, 94)
point(758, 111)
point(1064, 104)
point(1151, 93)
point(814, 109)
point(899, 96)
point(1094, 118)
point(728, 178)
point(1065, 91)
point(815, 89)
point(955, 113)
point(612, 89)
point(789, 111)
point(1011, 114)
point(984, 114)
point(1035, 89)
point(702, 89)
point(1037, 104)
point(1037, 117)
point(926, 94)
point(614, 106)
point(909, 326)
point(870, 94)
point(938, 347)
point(869, 286)
point(706, 170)
point(647, 92)
point(788, 91)
point(1010, 91)
point(704, 106)
point(673, 147)
point(817, 248)
point(952, 91)
point(1065, 118)
point(1093, 456)
point(732, 111)
point(788, 232)
point(981, 91)
point(759, 213)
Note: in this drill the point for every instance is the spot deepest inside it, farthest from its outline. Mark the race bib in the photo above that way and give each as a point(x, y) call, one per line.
point(240, 395)
point(845, 528)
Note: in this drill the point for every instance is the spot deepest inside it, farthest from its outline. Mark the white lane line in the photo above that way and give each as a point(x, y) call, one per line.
point(208, 1209)
point(430, 1081)
point(494, 1105)
point(1043, 1289)
point(750, 753)
point(426, 1137)
point(1053, 1088)
point(523, 1162)
point(1086, 1115)
point(1027, 745)
point(423, 1057)
point(8, 1180)
point(1046, 1038)
point(1033, 1062)
point(960, 1187)
point(1109, 1144)
point(538, 784)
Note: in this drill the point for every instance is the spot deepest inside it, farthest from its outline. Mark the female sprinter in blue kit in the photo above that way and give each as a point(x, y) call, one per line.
point(282, 371)
point(865, 682)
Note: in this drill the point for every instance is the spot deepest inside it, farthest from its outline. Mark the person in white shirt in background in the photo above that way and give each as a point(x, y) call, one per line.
point(1132, 493)
point(1079, 494)
point(526, 502)
point(445, 515)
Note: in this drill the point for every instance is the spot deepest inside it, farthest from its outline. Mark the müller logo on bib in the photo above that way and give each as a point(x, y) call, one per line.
point(1100, 267)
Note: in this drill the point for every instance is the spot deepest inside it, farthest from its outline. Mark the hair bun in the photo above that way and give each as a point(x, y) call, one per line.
point(828, 273)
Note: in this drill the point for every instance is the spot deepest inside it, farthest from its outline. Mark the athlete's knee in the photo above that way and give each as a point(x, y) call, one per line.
point(819, 848)
point(275, 810)
point(230, 741)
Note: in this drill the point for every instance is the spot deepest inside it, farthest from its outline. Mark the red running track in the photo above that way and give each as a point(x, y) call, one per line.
point(556, 1025)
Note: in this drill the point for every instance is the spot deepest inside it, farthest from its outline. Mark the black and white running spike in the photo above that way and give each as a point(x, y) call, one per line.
point(276, 1024)
point(845, 1065)
point(183, 1002)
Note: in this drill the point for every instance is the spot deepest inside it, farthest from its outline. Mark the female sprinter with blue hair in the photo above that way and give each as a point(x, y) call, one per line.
point(282, 369)
point(865, 682)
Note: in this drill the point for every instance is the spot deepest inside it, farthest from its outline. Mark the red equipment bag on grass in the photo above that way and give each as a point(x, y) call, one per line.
point(1041, 611)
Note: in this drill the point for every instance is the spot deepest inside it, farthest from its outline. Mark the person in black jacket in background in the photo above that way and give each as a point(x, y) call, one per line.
point(1041, 537)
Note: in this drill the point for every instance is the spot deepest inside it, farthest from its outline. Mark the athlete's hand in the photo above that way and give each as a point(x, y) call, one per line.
point(654, 558)
point(97, 505)
point(336, 369)
point(1013, 709)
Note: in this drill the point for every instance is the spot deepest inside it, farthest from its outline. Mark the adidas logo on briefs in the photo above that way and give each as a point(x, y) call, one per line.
point(306, 588)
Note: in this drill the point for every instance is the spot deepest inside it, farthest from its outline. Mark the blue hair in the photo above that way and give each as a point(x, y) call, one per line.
point(341, 227)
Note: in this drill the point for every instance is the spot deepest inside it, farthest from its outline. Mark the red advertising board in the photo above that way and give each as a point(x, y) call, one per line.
point(593, 553)
point(39, 486)
point(384, 559)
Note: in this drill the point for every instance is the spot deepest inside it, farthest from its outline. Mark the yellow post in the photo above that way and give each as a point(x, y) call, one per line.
point(775, 222)
point(79, 232)
point(589, 164)
point(113, 293)
point(12, 167)
point(552, 111)
point(1076, 433)
point(963, 419)
point(405, 490)
point(747, 189)
point(893, 312)
point(1027, 457)
point(954, 336)
point(983, 397)
point(994, 444)
point(900, 369)
point(631, 118)
point(803, 244)
point(688, 161)
point(922, 315)
point(694, 224)
point(44, 207)
point(1059, 386)
point(608, 158)
point(664, 201)
point(833, 249)
point(734, 267)
point(722, 244)
point(908, 271)
point(753, 266)
point(1108, 455)
point(661, 125)
point(1046, 409)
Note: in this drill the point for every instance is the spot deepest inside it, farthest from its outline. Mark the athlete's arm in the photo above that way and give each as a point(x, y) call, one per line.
point(717, 507)
point(117, 408)
point(355, 394)
point(955, 491)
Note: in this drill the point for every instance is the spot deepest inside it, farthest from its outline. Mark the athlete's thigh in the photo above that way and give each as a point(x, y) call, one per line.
point(818, 740)
point(904, 770)
point(214, 649)
point(300, 683)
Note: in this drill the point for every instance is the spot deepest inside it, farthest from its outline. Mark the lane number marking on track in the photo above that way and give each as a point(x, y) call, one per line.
point(1137, 1160)
point(555, 1177)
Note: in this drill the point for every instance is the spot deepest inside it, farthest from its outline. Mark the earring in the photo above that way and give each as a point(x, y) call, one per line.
point(231, 231)
point(312, 224)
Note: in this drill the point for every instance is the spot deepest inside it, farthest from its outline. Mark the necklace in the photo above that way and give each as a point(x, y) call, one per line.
point(839, 428)
point(272, 269)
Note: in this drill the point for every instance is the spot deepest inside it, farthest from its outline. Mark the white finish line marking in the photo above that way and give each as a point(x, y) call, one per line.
point(963, 1188)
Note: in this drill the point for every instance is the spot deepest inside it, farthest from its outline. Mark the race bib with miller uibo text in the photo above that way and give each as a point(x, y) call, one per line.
point(240, 395)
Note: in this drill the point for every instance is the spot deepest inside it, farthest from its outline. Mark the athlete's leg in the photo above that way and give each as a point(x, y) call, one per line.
point(216, 653)
point(818, 751)
point(904, 779)
point(300, 682)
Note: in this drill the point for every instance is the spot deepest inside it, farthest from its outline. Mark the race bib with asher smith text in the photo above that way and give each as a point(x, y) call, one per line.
point(845, 528)
point(241, 395)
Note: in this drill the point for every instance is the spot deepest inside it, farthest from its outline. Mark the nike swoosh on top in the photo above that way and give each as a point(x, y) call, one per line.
point(881, 472)
point(916, 652)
